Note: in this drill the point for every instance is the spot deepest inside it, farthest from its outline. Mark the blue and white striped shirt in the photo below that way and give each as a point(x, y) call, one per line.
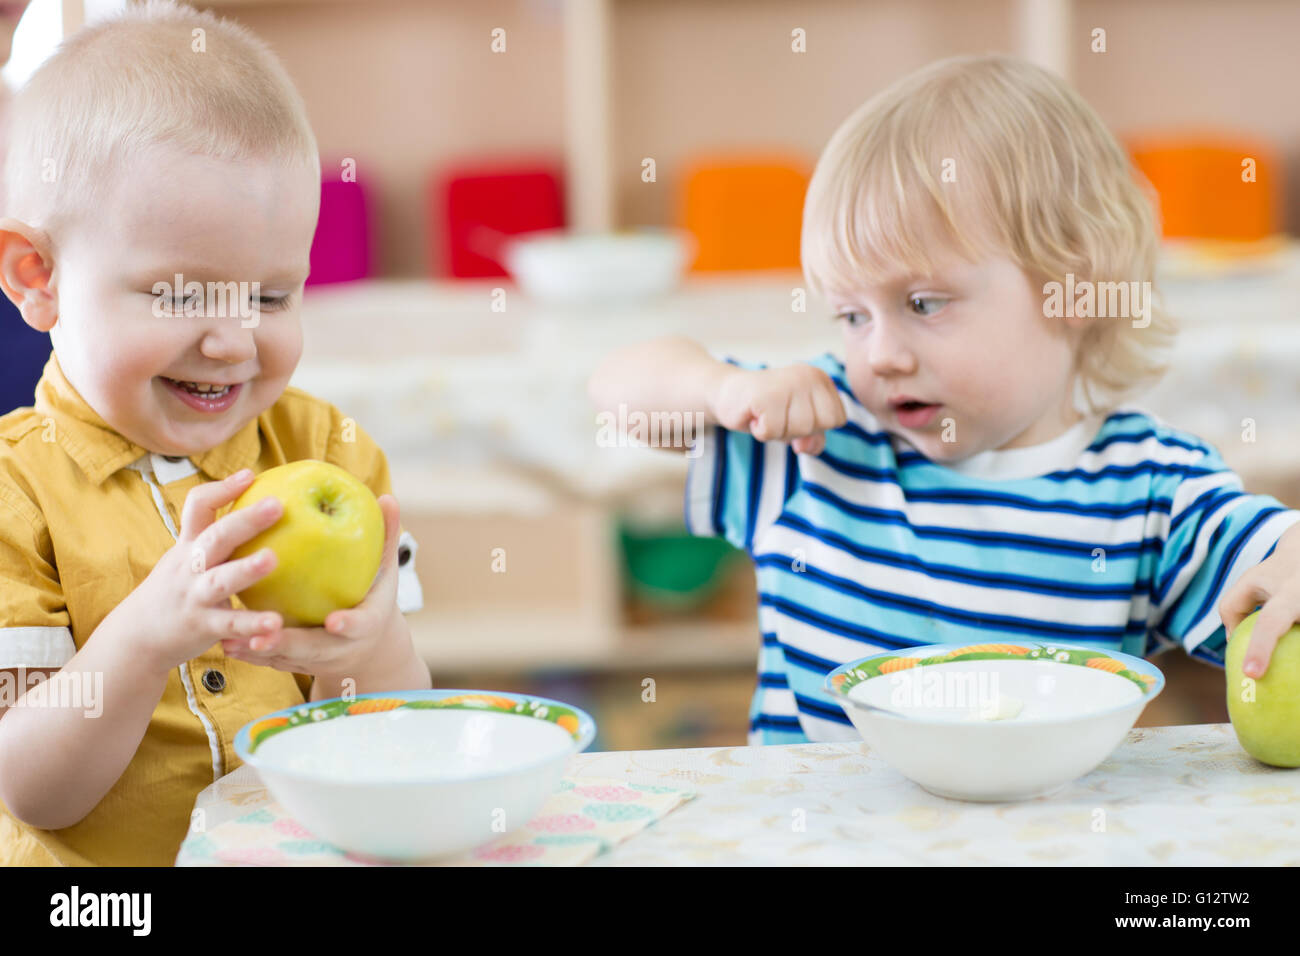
point(1121, 534)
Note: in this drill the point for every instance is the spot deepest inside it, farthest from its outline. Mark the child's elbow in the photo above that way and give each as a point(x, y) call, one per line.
point(36, 817)
point(40, 814)
point(38, 821)
point(33, 810)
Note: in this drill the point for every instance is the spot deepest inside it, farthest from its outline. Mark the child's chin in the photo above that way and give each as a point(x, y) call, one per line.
point(935, 449)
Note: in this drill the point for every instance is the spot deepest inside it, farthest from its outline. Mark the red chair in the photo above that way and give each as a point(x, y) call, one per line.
point(472, 208)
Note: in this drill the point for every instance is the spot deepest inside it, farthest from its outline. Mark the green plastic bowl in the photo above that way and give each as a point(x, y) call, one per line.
point(674, 570)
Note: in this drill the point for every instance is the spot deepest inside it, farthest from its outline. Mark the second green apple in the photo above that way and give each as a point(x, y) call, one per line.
point(1265, 711)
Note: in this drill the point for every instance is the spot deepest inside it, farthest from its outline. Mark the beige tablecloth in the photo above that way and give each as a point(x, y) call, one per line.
point(1167, 795)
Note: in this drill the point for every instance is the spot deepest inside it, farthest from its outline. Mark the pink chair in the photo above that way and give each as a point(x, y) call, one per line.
point(340, 251)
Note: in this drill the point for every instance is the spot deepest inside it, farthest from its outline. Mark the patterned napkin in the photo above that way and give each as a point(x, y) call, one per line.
point(583, 818)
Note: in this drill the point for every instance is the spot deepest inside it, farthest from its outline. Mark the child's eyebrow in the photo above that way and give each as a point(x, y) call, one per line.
point(286, 277)
point(887, 286)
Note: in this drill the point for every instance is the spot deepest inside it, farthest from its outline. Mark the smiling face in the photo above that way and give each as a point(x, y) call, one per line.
point(125, 348)
point(972, 341)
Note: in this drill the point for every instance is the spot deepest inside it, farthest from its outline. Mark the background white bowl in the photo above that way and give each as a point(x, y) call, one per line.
point(585, 268)
point(1073, 716)
point(415, 783)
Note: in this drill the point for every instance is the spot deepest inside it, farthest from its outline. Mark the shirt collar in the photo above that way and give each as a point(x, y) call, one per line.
point(1057, 454)
point(99, 451)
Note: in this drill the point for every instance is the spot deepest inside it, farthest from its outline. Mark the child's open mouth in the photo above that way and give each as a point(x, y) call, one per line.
point(204, 396)
point(916, 414)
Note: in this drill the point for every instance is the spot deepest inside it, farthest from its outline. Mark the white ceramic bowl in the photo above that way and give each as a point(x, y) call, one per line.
point(586, 268)
point(995, 722)
point(415, 775)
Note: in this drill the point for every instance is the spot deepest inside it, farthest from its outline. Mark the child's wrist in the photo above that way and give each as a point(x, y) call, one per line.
point(717, 382)
point(135, 641)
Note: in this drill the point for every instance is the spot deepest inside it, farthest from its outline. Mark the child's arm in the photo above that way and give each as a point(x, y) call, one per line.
point(669, 375)
point(676, 375)
point(57, 763)
point(1223, 550)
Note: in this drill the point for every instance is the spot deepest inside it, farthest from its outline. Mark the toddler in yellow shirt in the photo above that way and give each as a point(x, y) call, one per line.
point(162, 190)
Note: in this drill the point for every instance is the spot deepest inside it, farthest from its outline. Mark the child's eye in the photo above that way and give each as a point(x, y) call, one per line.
point(272, 303)
point(935, 304)
point(854, 320)
point(173, 304)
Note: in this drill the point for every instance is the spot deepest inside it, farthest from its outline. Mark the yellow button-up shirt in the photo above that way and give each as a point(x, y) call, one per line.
point(84, 516)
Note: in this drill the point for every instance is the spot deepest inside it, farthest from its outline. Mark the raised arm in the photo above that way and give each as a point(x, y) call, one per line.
point(673, 374)
point(677, 376)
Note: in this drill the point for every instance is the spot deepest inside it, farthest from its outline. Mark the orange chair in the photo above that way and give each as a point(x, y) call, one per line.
point(745, 212)
point(1202, 192)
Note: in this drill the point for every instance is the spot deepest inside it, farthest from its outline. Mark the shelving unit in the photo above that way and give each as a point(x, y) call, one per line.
point(502, 401)
point(465, 401)
point(575, 86)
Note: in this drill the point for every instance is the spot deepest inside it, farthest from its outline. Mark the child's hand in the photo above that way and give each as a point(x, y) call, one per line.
point(352, 640)
point(1274, 583)
point(796, 403)
point(183, 607)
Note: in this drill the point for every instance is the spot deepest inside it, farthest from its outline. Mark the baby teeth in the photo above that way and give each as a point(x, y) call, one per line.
point(203, 389)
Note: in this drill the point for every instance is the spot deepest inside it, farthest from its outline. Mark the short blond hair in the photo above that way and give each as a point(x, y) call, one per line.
point(1038, 178)
point(158, 73)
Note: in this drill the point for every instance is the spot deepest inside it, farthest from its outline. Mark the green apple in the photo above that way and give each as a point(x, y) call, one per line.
point(1268, 726)
point(328, 542)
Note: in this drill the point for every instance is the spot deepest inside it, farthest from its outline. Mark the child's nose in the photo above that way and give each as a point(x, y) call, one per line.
point(227, 341)
point(887, 353)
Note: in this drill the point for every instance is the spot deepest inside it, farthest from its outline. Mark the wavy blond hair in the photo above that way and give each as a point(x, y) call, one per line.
point(1038, 179)
point(144, 77)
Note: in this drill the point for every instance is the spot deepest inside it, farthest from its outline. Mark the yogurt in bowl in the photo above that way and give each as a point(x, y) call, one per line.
point(415, 775)
point(994, 722)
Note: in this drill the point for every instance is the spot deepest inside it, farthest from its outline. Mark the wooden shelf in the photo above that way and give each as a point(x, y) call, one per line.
point(533, 641)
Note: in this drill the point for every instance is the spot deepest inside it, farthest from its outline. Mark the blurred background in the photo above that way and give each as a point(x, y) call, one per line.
point(653, 156)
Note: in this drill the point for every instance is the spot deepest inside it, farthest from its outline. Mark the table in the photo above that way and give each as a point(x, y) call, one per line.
point(1184, 795)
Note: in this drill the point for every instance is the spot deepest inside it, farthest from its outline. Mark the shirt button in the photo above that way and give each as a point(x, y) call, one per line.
point(403, 555)
point(173, 458)
point(214, 680)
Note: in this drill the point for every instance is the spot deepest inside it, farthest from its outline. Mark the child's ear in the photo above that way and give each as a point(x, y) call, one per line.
point(1076, 324)
point(26, 265)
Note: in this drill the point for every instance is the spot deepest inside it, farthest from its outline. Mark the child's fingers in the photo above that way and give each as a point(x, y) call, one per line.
point(769, 423)
point(239, 626)
point(1250, 591)
point(231, 577)
point(392, 532)
point(1275, 619)
point(294, 648)
point(216, 543)
point(829, 405)
point(802, 419)
point(810, 444)
point(204, 501)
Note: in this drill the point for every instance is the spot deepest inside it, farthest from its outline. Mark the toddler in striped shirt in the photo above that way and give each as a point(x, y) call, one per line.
point(969, 470)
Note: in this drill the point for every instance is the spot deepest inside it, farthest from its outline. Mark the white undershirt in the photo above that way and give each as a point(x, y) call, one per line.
point(1006, 464)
